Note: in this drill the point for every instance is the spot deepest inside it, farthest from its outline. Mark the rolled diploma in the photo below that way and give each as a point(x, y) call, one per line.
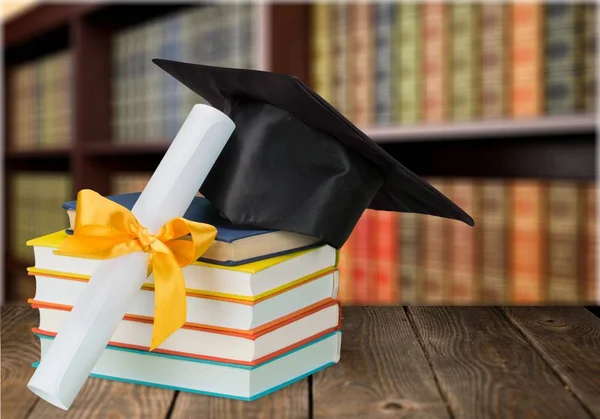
point(113, 285)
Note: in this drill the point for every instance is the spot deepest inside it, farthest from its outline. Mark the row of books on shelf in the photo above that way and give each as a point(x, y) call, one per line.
point(150, 106)
point(411, 63)
point(41, 103)
point(533, 243)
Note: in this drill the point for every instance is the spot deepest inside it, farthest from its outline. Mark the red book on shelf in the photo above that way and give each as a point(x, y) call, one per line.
point(361, 271)
point(435, 51)
point(432, 290)
point(463, 245)
point(527, 84)
point(528, 242)
point(345, 267)
point(385, 254)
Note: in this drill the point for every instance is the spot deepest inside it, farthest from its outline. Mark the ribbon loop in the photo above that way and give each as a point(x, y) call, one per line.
point(105, 230)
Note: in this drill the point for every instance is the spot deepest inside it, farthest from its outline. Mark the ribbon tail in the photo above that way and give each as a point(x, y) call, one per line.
point(169, 297)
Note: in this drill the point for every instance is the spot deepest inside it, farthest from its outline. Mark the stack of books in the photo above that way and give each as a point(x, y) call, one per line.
point(261, 311)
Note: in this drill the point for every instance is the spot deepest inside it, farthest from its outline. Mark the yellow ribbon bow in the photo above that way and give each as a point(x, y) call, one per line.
point(105, 230)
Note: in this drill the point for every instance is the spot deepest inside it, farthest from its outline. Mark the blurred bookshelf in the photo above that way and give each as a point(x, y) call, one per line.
point(124, 112)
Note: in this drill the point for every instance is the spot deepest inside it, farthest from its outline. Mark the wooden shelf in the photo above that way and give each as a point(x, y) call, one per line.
point(38, 154)
point(123, 150)
point(482, 130)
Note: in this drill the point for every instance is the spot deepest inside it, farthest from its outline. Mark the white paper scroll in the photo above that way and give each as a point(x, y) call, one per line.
point(107, 297)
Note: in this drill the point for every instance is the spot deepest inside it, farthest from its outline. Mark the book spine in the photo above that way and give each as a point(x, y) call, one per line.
point(494, 28)
point(406, 71)
point(564, 216)
point(527, 82)
point(528, 253)
point(384, 14)
point(385, 254)
point(362, 259)
point(410, 257)
point(590, 41)
point(564, 58)
point(494, 244)
point(463, 245)
point(362, 63)
point(464, 47)
point(435, 66)
point(345, 293)
point(322, 50)
point(341, 60)
point(434, 255)
point(592, 294)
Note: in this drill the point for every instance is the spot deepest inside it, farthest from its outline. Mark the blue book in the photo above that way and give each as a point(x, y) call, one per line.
point(234, 245)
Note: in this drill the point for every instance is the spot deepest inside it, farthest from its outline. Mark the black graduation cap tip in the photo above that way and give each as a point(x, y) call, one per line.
point(295, 163)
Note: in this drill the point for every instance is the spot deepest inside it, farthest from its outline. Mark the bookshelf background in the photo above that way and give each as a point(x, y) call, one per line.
point(285, 37)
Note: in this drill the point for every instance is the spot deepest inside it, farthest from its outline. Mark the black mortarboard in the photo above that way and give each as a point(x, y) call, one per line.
point(295, 163)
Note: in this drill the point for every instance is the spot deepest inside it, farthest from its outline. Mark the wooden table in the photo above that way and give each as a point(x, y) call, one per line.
point(416, 362)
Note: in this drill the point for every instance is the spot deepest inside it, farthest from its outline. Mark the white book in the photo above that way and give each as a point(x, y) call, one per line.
point(250, 281)
point(206, 311)
point(214, 378)
point(238, 348)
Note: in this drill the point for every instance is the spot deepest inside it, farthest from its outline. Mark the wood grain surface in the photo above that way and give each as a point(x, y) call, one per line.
point(383, 371)
point(487, 369)
point(289, 403)
point(418, 362)
point(569, 340)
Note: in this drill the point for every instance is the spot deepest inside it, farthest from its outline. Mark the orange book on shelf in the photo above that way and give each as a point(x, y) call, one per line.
point(527, 253)
point(345, 268)
point(464, 288)
point(361, 261)
point(435, 56)
point(592, 294)
point(385, 254)
point(527, 48)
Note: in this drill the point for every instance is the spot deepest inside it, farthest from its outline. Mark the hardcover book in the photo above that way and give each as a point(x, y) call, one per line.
point(494, 60)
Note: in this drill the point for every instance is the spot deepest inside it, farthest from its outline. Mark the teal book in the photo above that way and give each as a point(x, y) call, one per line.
point(213, 378)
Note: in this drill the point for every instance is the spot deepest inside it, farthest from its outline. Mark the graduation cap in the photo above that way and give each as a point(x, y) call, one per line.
point(295, 163)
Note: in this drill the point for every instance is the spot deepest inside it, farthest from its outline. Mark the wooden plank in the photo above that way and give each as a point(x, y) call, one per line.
point(383, 371)
point(569, 340)
point(19, 349)
point(486, 368)
point(288, 403)
point(110, 399)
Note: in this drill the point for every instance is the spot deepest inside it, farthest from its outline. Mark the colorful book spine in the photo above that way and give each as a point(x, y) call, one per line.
point(464, 245)
point(527, 82)
point(591, 280)
point(345, 267)
point(322, 50)
point(564, 58)
point(407, 63)
point(590, 56)
point(362, 64)
point(341, 58)
point(528, 253)
point(565, 213)
point(494, 28)
point(465, 58)
point(384, 14)
point(494, 244)
point(385, 255)
point(362, 266)
point(433, 290)
point(409, 257)
point(435, 67)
